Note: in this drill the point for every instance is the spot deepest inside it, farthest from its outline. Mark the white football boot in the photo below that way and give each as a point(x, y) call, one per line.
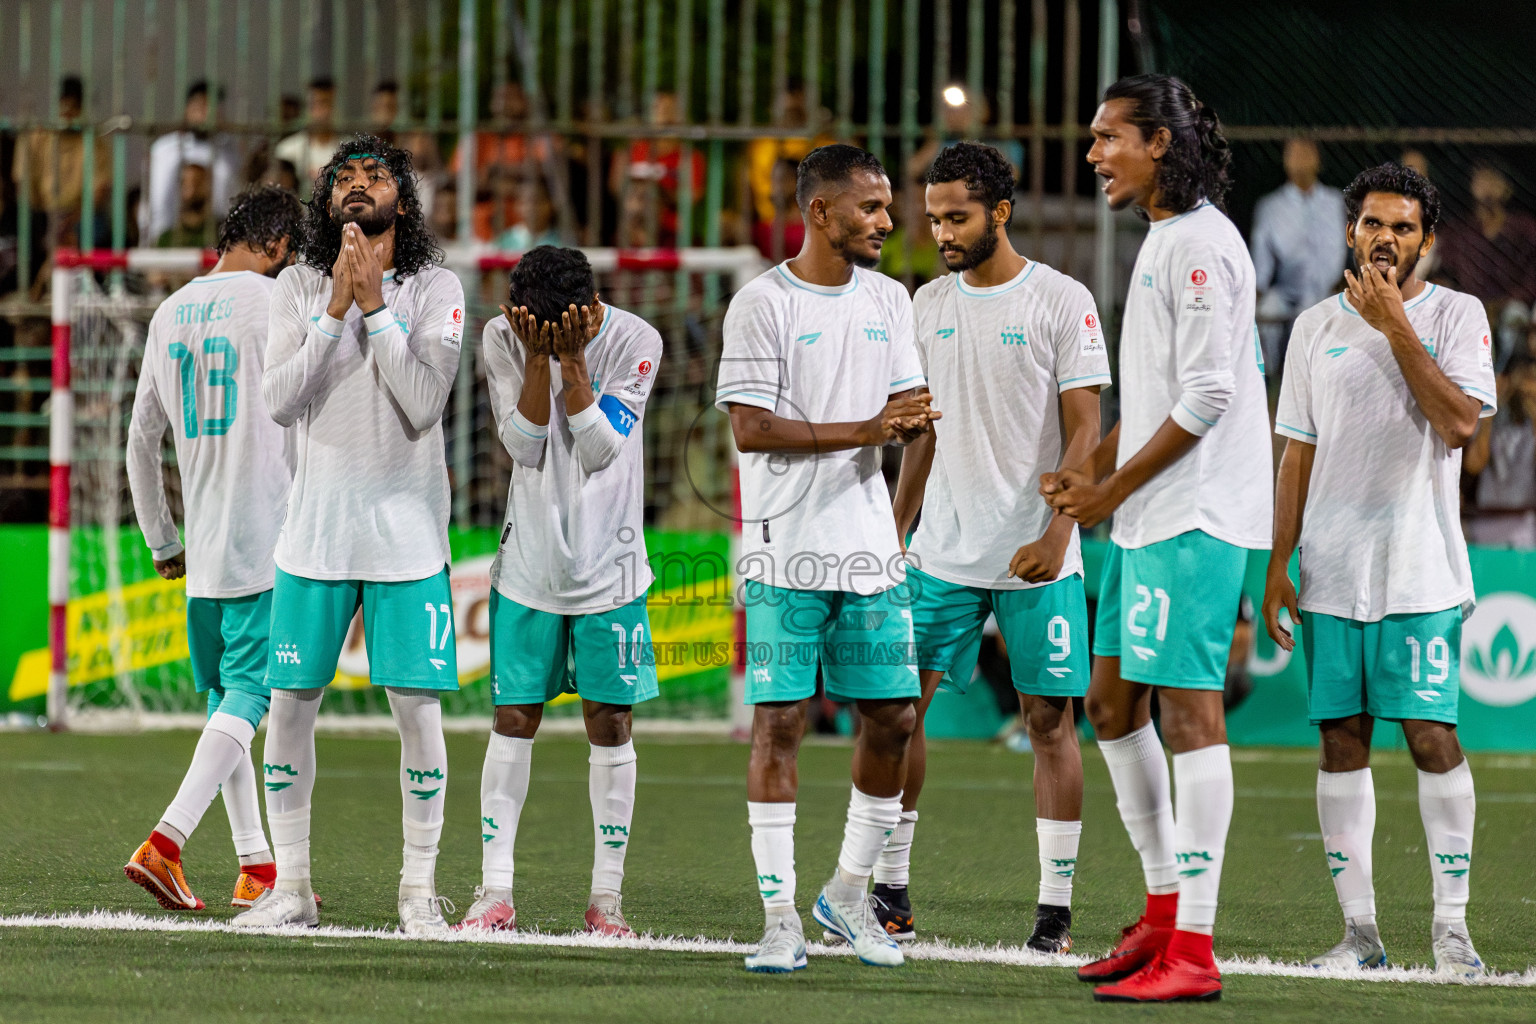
point(783, 947)
point(277, 908)
point(848, 912)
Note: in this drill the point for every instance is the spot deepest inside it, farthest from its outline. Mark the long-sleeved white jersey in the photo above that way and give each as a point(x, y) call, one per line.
point(1189, 351)
point(574, 539)
point(202, 378)
point(370, 497)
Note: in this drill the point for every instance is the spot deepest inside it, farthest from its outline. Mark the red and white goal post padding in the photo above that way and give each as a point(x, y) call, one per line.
point(742, 262)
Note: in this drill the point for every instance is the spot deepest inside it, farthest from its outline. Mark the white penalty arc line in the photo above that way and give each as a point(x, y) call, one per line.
point(1013, 956)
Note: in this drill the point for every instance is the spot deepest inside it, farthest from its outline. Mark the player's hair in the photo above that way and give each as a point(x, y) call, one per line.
point(1398, 180)
point(415, 247)
point(323, 83)
point(389, 85)
point(261, 217)
point(985, 172)
point(1198, 158)
point(72, 87)
point(550, 279)
point(831, 165)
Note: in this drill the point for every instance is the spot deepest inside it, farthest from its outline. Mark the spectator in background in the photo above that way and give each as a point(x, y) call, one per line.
point(50, 165)
point(1502, 459)
point(194, 226)
point(193, 144)
point(1297, 248)
point(426, 155)
point(962, 115)
point(311, 148)
point(1429, 264)
point(783, 232)
point(1492, 255)
point(765, 155)
point(647, 180)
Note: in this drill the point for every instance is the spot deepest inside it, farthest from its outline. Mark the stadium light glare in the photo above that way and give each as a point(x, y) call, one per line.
point(954, 96)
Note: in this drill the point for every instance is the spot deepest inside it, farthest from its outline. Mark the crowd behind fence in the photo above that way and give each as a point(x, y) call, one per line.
point(665, 123)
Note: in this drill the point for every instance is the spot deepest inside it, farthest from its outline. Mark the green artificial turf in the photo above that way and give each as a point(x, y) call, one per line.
point(75, 807)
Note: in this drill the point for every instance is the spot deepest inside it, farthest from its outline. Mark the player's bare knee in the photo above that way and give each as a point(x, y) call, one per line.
point(1345, 745)
point(1048, 721)
point(520, 721)
point(608, 725)
point(777, 729)
point(1433, 746)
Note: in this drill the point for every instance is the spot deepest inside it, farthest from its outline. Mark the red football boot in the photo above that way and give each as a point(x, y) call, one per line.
point(1184, 972)
point(1139, 944)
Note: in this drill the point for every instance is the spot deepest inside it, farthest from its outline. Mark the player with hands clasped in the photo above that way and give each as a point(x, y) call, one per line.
point(1015, 352)
point(1384, 385)
point(819, 370)
point(364, 348)
point(1186, 474)
point(571, 575)
point(201, 378)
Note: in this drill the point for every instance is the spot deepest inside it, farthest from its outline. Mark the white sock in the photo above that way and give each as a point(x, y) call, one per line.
point(1139, 770)
point(894, 866)
point(871, 820)
point(225, 742)
point(288, 772)
point(1203, 788)
point(242, 805)
point(1058, 859)
point(423, 781)
point(503, 791)
point(1346, 812)
point(773, 850)
point(611, 787)
point(1448, 807)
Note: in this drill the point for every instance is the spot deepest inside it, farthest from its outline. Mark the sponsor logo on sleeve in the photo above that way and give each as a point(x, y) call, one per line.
point(453, 327)
point(1197, 294)
point(642, 378)
point(1090, 335)
point(1485, 353)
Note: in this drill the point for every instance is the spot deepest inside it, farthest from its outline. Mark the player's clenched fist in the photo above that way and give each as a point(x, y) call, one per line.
point(905, 419)
point(1075, 495)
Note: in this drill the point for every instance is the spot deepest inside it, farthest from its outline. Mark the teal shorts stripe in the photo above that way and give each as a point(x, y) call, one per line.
point(1045, 630)
point(408, 631)
point(1168, 610)
point(1402, 667)
point(862, 643)
point(607, 657)
point(228, 641)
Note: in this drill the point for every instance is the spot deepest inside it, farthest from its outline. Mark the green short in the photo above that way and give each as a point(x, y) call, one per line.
point(1400, 667)
point(607, 657)
point(863, 644)
point(1045, 630)
point(1168, 610)
point(227, 638)
point(407, 628)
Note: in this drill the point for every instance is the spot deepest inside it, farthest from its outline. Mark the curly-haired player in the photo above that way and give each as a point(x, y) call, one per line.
point(1013, 349)
point(201, 379)
point(1186, 474)
point(364, 347)
point(1384, 385)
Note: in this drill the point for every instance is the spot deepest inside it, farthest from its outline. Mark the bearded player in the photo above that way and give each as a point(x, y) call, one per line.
point(1013, 349)
point(1186, 474)
point(201, 378)
point(818, 372)
point(364, 347)
point(1384, 385)
point(569, 377)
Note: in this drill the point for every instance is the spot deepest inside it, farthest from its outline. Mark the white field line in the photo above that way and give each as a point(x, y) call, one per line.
point(1015, 956)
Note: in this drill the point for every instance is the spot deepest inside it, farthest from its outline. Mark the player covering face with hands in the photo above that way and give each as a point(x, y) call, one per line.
point(1384, 385)
point(1186, 475)
point(569, 377)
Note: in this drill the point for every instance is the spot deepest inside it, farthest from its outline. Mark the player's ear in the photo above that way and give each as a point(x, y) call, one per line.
point(1349, 234)
point(1002, 212)
point(1159, 142)
point(1427, 244)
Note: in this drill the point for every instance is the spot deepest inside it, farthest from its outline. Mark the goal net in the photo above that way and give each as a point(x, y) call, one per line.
point(118, 643)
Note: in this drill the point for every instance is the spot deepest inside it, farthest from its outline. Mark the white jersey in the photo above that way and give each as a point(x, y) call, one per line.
point(574, 541)
point(1189, 350)
point(202, 377)
point(996, 360)
point(370, 498)
point(1381, 531)
point(819, 355)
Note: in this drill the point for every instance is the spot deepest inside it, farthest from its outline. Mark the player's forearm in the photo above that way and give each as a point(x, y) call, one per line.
point(916, 462)
point(1170, 444)
point(533, 399)
point(1450, 411)
point(1290, 502)
point(293, 379)
point(417, 384)
point(146, 485)
point(576, 385)
point(597, 441)
point(1100, 460)
point(757, 430)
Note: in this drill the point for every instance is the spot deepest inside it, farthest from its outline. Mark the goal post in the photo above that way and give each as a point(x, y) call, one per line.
point(116, 655)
